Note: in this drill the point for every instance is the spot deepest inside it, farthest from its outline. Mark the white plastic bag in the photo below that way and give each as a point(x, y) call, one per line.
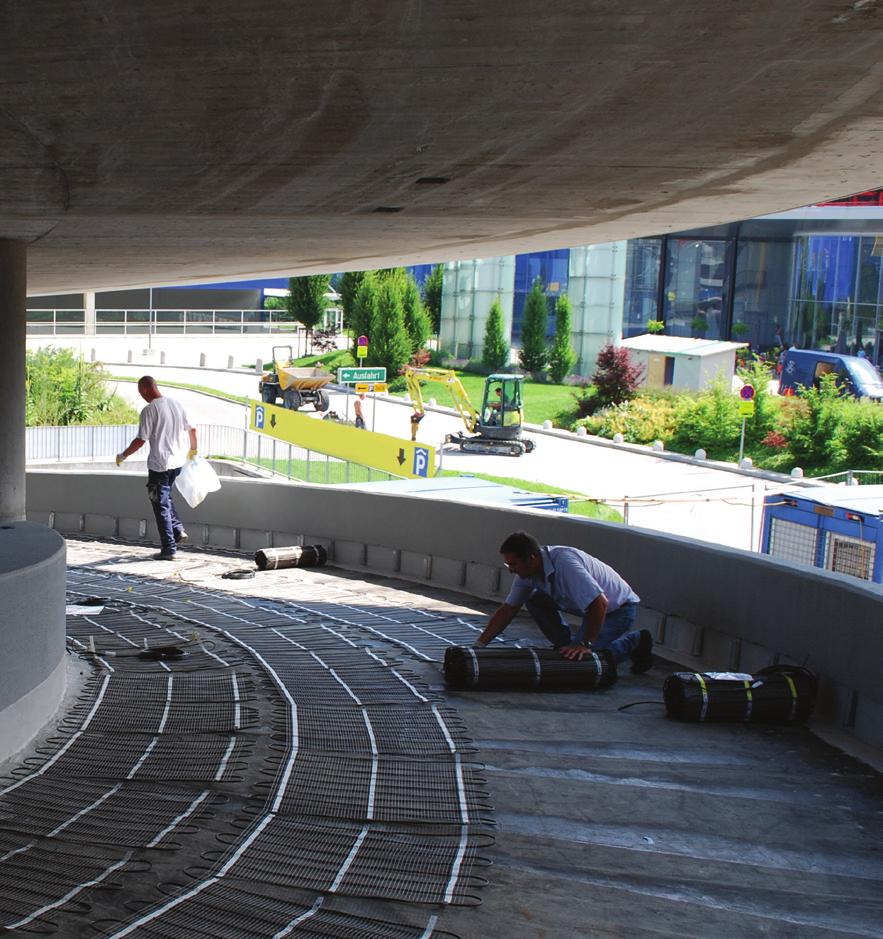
point(196, 480)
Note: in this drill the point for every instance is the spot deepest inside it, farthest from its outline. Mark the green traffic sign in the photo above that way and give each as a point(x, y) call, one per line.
point(346, 376)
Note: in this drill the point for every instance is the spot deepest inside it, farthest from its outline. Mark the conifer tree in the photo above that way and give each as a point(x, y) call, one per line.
point(495, 352)
point(432, 296)
point(417, 323)
point(348, 288)
point(365, 309)
point(534, 323)
point(390, 345)
point(562, 357)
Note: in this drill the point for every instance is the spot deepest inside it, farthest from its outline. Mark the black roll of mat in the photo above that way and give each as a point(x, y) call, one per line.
point(504, 669)
point(272, 559)
point(780, 694)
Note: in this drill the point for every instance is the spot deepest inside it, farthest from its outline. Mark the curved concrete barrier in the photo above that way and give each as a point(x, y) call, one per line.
point(708, 606)
point(32, 672)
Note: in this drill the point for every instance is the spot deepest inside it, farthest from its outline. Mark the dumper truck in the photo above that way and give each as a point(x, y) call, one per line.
point(295, 386)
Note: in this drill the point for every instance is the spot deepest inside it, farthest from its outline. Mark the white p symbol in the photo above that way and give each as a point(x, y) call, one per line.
point(421, 461)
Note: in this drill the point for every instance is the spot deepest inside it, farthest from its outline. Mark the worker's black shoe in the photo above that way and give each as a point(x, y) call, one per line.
point(610, 674)
point(164, 556)
point(181, 536)
point(642, 657)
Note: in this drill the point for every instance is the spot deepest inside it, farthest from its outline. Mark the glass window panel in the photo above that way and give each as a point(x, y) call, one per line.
point(695, 287)
point(760, 299)
point(641, 285)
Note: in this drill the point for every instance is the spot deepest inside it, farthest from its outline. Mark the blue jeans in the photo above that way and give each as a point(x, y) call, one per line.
point(159, 491)
point(617, 635)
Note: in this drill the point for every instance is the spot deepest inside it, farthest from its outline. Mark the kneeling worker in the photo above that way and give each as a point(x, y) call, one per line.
point(553, 579)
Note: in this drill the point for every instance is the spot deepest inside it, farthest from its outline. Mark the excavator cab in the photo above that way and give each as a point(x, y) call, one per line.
point(502, 409)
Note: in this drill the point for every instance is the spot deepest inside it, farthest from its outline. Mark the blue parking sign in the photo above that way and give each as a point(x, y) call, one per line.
point(421, 461)
point(259, 417)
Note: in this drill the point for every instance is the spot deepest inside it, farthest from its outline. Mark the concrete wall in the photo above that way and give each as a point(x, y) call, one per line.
point(176, 349)
point(709, 607)
point(32, 584)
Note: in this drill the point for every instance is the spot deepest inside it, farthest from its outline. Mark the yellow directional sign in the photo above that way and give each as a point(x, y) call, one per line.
point(366, 387)
point(379, 451)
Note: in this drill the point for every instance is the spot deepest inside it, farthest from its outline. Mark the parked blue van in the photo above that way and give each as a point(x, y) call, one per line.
point(804, 368)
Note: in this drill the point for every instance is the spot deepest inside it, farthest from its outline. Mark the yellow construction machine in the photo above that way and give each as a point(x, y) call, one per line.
point(295, 386)
point(496, 428)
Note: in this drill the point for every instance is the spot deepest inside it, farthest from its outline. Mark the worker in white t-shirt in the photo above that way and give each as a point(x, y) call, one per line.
point(165, 427)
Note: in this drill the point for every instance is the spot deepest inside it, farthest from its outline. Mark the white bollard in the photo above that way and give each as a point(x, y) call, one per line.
point(746, 463)
point(547, 425)
point(581, 431)
point(162, 357)
point(618, 438)
point(129, 356)
point(92, 356)
point(432, 402)
point(700, 454)
point(797, 473)
point(658, 446)
point(258, 365)
point(229, 361)
point(202, 360)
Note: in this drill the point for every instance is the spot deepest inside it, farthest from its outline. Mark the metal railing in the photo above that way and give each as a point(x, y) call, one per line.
point(55, 322)
point(102, 443)
point(853, 478)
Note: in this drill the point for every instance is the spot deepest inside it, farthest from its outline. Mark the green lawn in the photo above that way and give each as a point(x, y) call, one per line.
point(236, 399)
point(541, 401)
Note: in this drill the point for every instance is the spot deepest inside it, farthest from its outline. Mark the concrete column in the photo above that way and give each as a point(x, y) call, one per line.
point(13, 285)
point(89, 312)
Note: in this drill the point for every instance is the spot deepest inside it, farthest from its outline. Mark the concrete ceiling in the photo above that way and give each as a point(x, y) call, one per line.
point(168, 142)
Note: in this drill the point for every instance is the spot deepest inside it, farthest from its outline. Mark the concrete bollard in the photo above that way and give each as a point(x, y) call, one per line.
point(700, 454)
point(229, 361)
point(202, 360)
point(746, 463)
point(92, 355)
point(258, 365)
point(547, 425)
point(618, 438)
point(658, 446)
point(797, 473)
point(581, 431)
point(162, 358)
point(129, 356)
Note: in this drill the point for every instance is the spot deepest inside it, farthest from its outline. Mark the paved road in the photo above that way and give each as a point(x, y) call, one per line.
point(663, 495)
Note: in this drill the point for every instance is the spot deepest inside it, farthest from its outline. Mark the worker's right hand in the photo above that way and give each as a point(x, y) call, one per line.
point(120, 458)
point(192, 454)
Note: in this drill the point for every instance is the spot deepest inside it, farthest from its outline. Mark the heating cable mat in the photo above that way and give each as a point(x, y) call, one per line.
point(228, 754)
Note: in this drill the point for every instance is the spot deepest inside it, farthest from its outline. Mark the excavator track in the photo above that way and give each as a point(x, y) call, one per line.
point(484, 445)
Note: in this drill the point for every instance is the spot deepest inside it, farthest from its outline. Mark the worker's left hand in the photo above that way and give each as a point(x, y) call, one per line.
point(575, 651)
point(192, 454)
point(120, 458)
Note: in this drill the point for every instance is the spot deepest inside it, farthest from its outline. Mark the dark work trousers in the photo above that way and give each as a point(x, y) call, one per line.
point(616, 633)
point(159, 491)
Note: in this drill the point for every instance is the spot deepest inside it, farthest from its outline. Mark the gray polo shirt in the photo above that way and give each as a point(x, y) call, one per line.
point(573, 579)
